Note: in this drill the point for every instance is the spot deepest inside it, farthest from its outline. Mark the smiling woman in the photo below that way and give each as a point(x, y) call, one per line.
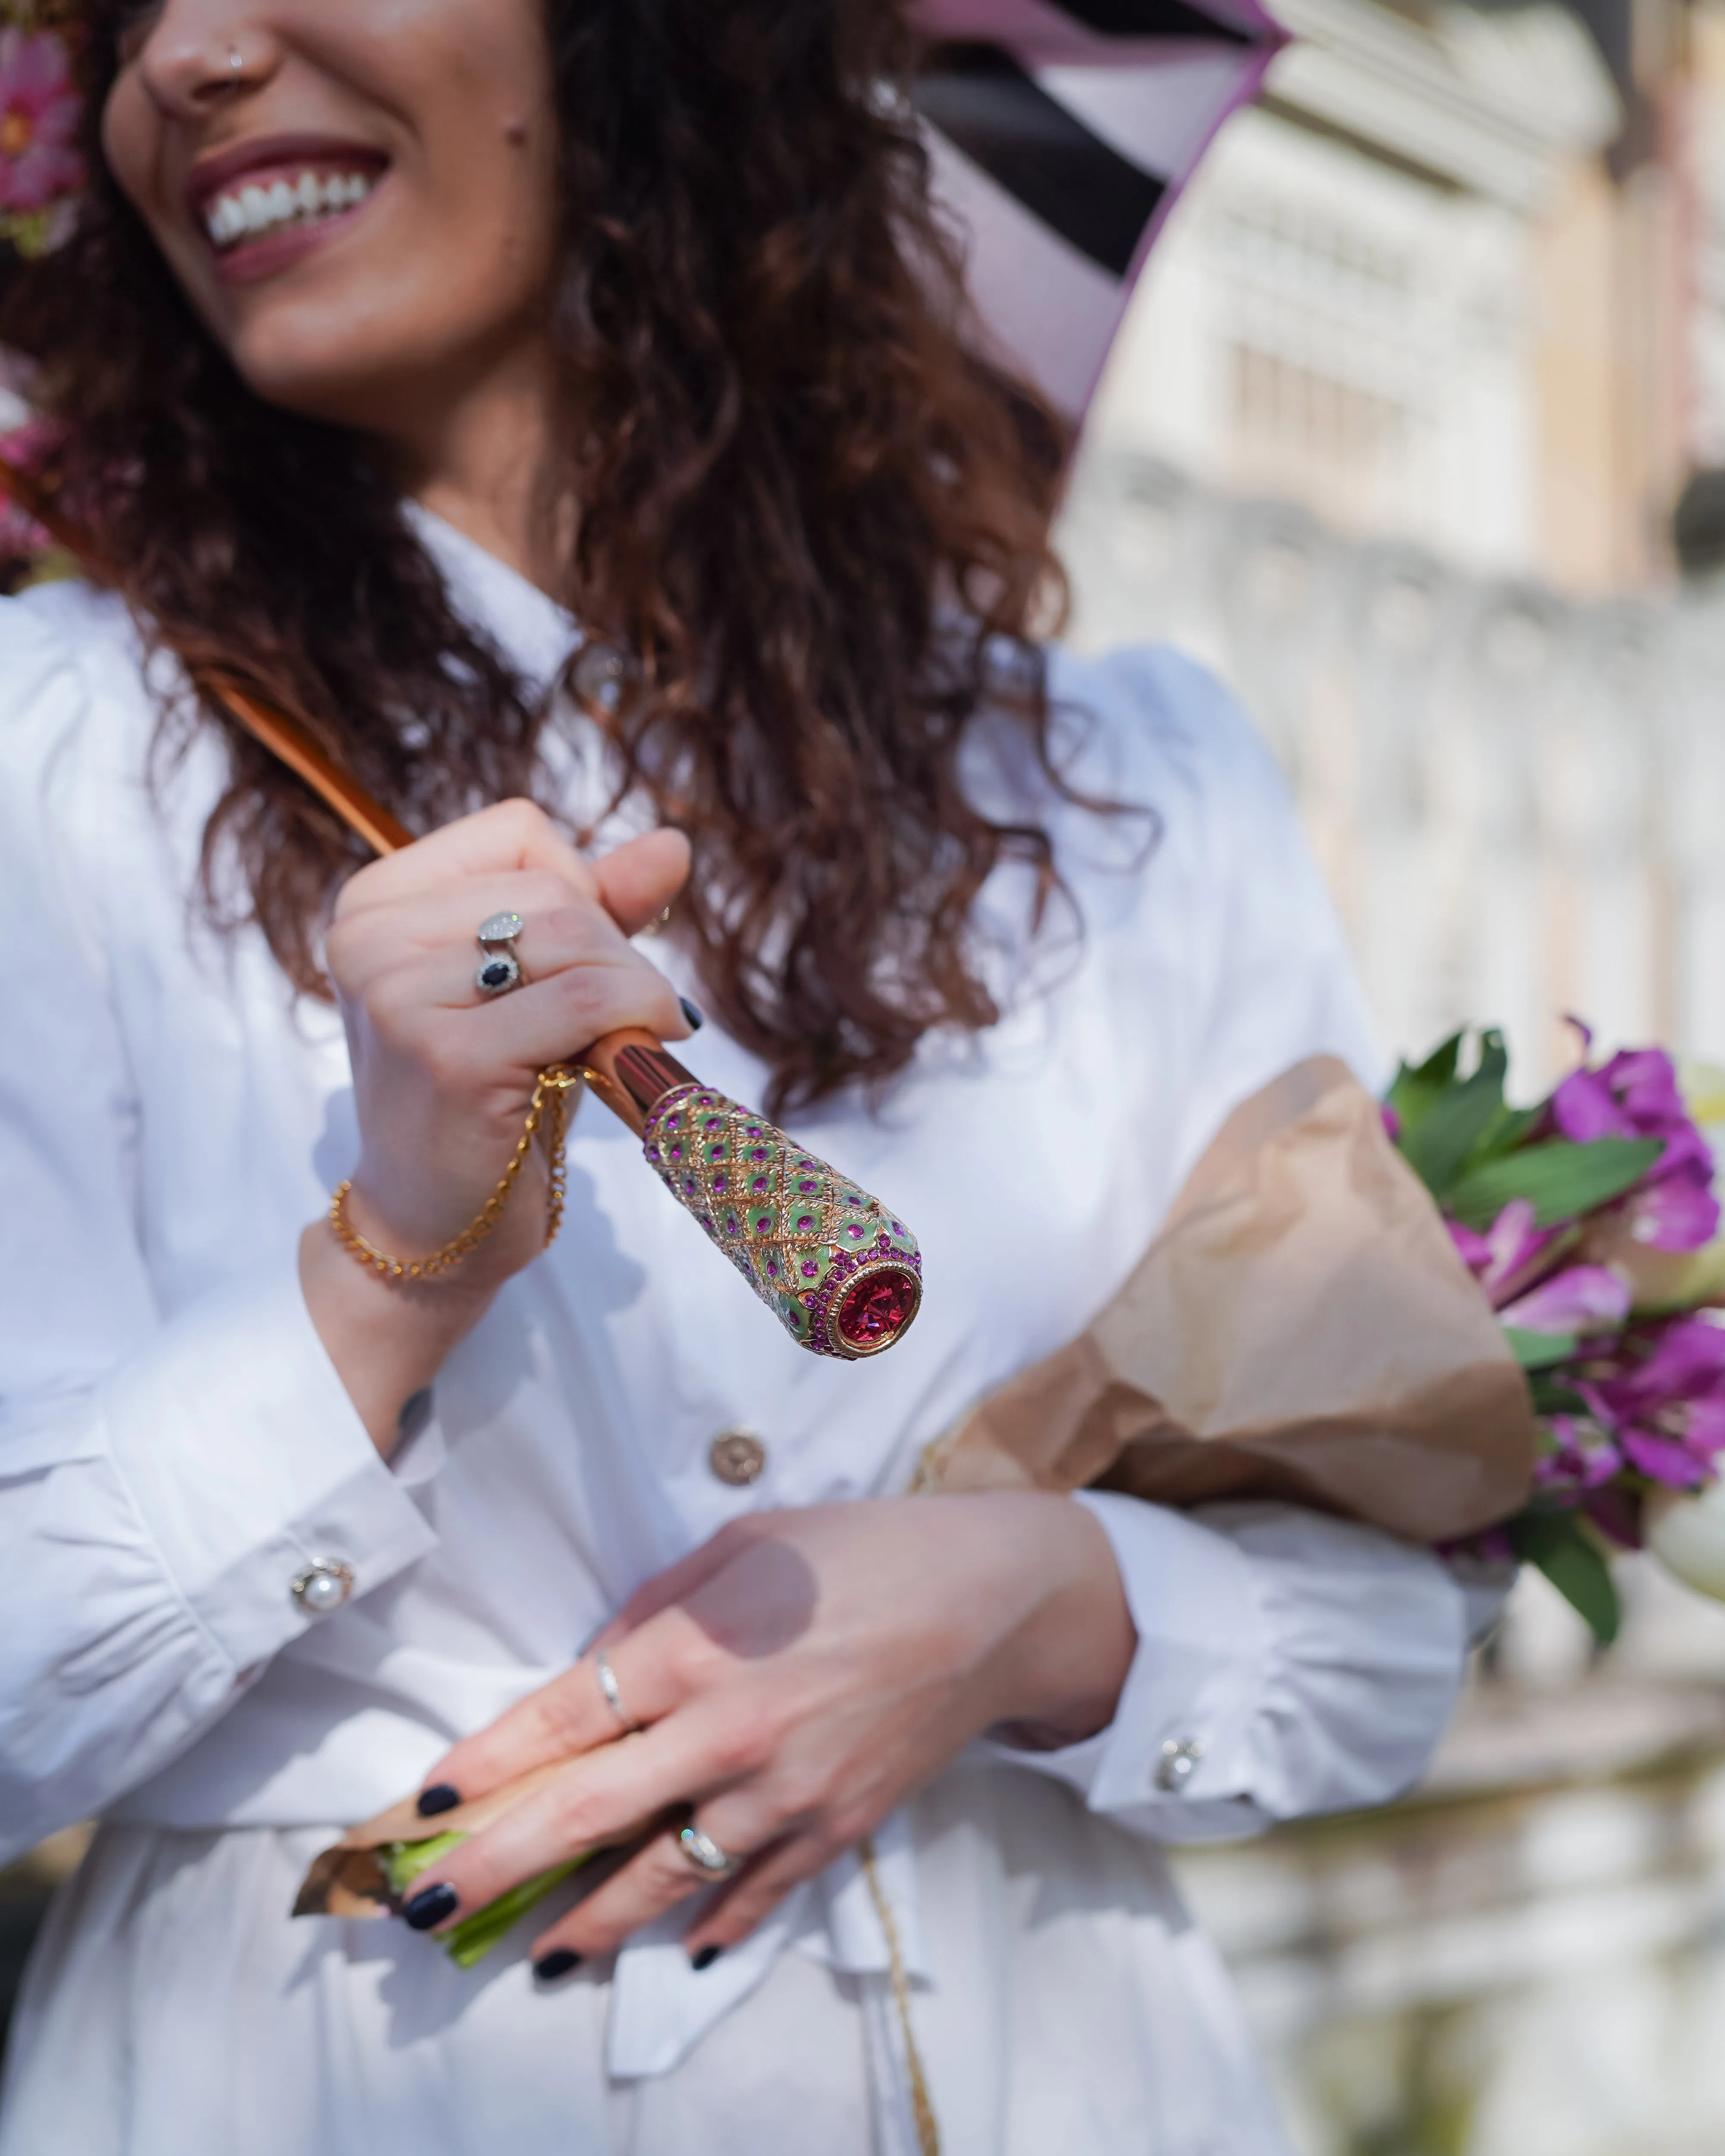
point(412, 186)
point(569, 410)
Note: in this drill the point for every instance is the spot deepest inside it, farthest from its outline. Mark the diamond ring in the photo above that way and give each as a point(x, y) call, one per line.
point(613, 1695)
point(704, 1854)
point(500, 969)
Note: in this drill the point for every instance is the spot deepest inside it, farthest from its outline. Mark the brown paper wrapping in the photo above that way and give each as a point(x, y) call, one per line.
point(1302, 1328)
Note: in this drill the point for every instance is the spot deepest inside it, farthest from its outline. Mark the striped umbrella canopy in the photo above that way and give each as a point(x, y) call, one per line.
point(1062, 131)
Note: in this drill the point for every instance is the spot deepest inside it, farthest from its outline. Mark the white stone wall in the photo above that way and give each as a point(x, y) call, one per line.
point(1519, 799)
point(1320, 325)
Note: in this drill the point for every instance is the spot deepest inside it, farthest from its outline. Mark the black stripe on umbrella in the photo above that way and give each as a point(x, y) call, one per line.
point(1058, 133)
point(983, 102)
point(1153, 18)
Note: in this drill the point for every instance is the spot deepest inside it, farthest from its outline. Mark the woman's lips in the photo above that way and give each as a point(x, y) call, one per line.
point(270, 219)
point(266, 202)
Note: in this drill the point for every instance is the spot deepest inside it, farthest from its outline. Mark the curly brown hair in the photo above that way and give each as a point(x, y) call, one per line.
point(812, 514)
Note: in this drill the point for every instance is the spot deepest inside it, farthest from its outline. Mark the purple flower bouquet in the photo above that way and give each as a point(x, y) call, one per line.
point(1589, 1221)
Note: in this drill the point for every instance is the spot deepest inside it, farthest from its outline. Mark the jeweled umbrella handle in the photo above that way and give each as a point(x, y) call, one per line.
point(842, 1275)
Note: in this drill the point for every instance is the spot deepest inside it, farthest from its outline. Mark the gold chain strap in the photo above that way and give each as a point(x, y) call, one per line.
point(928, 2134)
point(548, 1108)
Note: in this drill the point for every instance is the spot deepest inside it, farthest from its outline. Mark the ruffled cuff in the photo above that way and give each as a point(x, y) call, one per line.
point(1287, 1664)
point(249, 1468)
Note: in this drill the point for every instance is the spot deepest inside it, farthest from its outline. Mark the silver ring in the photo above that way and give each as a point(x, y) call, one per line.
point(500, 969)
point(613, 1695)
point(704, 1854)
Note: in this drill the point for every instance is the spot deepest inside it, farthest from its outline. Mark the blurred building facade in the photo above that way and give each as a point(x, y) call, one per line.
point(1458, 281)
point(1416, 434)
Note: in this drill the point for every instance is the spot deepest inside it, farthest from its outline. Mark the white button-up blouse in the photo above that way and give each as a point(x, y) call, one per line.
point(176, 1451)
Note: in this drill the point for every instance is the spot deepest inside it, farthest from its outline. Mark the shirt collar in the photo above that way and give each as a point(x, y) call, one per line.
point(531, 631)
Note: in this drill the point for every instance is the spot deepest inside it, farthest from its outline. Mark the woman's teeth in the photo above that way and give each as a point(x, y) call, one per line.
point(248, 212)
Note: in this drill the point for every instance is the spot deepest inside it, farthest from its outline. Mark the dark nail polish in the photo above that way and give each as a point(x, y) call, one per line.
point(693, 1013)
point(558, 1963)
point(440, 1796)
point(429, 1906)
point(706, 1957)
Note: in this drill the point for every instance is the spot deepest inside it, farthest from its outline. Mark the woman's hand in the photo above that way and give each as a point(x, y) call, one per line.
point(442, 1074)
point(798, 1677)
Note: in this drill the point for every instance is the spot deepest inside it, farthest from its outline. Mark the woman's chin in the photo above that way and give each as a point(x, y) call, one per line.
point(318, 361)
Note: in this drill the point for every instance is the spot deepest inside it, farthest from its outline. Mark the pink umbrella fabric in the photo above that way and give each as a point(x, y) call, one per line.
point(1062, 130)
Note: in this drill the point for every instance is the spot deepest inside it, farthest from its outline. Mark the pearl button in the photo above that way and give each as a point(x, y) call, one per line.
point(737, 1457)
point(322, 1587)
point(599, 674)
point(1180, 1756)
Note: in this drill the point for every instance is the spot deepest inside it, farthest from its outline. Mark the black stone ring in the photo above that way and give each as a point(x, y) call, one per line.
point(500, 970)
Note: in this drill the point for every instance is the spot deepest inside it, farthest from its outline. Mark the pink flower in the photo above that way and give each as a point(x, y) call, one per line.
point(1576, 1454)
point(39, 113)
point(1663, 1394)
point(1507, 1256)
point(1636, 1096)
point(1581, 1298)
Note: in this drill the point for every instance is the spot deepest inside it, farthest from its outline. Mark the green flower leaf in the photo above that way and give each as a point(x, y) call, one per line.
point(1540, 1350)
point(1453, 1122)
point(1559, 1544)
point(473, 1937)
point(1414, 1092)
point(404, 1861)
point(1504, 1133)
point(1560, 1179)
point(1551, 1397)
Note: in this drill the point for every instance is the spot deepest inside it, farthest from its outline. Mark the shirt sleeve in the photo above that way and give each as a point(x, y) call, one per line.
point(1287, 1663)
point(163, 1482)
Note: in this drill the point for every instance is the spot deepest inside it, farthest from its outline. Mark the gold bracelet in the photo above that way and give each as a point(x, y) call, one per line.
point(549, 1107)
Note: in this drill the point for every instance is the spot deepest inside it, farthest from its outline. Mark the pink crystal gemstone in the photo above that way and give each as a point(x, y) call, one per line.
point(877, 1309)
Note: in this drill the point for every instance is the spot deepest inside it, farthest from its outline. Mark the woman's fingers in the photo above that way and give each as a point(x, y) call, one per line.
point(363, 941)
point(597, 1799)
point(570, 1715)
point(583, 980)
point(544, 1020)
point(562, 1720)
point(512, 835)
point(661, 1877)
point(634, 883)
point(449, 917)
point(747, 1902)
point(658, 1879)
point(640, 878)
